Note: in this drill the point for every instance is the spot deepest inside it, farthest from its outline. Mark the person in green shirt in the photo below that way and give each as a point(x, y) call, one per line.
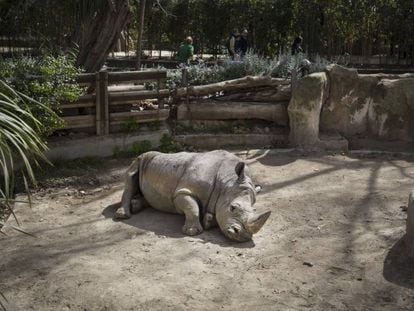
point(186, 51)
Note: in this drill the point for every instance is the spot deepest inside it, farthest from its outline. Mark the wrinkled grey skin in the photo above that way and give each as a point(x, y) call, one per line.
point(214, 184)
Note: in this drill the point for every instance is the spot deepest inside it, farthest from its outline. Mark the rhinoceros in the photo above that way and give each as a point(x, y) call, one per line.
point(214, 187)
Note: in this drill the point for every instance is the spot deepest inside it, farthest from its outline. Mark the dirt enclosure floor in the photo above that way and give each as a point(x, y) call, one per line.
point(333, 242)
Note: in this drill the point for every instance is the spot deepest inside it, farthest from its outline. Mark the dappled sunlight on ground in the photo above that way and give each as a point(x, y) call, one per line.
point(333, 242)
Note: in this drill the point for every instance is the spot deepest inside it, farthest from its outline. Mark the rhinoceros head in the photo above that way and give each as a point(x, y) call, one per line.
point(235, 214)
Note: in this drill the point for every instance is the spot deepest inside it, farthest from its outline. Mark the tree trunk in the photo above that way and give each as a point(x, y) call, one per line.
point(233, 110)
point(99, 34)
point(140, 32)
point(260, 94)
point(230, 85)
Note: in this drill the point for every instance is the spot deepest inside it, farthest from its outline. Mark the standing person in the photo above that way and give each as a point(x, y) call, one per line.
point(186, 52)
point(237, 48)
point(232, 43)
point(243, 43)
point(297, 45)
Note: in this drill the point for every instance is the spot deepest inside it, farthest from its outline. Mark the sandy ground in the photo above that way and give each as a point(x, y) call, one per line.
point(333, 242)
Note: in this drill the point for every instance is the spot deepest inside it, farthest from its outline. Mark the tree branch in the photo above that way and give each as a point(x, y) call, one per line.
point(164, 10)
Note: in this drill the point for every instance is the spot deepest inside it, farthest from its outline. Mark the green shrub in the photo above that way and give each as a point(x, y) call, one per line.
point(252, 64)
point(130, 125)
point(49, 80)
point(168, 146)
point(198, 74)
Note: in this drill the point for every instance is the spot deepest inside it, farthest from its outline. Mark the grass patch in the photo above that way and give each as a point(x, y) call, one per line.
point(167, 145)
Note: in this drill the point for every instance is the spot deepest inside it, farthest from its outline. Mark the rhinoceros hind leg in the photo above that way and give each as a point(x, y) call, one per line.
point(189, 206)
point(131, 189)
point(138, 204)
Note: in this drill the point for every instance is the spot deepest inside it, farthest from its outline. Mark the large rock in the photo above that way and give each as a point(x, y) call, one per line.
point(409, 237)
point(304, 110)
point(391, 114)
point(350, 97)
point(377, 106)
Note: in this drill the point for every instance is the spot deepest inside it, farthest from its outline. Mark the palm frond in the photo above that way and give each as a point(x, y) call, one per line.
point(19, 145)
point(4, 225)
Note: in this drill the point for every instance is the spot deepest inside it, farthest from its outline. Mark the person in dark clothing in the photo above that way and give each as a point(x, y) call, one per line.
point(243, 44)
point(297, 45)
point(233, 44)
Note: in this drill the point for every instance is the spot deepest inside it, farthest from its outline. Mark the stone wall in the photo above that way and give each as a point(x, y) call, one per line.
point(379, 107)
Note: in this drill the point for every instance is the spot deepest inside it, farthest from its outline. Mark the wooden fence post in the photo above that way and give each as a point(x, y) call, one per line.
point(104, 101)
point(160, 84)
point(98, 107)
point(184, 82)
point(184, 77)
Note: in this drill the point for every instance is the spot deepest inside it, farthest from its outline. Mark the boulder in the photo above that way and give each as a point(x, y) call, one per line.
point(409, 237)
point(391, 114)
point(347, 106)
point(304, 110)
point(380, 106)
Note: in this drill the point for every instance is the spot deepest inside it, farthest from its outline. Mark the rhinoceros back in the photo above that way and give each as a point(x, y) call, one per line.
point(162, 175)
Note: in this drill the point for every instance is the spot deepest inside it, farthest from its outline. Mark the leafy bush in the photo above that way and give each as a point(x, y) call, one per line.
point(198, 74)
point(49, 80)
point(251, 64)
point(130, 125)
point(169, 146)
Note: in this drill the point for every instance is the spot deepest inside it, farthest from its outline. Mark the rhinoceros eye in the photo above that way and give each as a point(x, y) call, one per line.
point(233, 207)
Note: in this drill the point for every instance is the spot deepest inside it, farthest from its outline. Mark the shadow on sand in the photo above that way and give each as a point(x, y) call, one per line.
point(398, 267)
point(169, 225)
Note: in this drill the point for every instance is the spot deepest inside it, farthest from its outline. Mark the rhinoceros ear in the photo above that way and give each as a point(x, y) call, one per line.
point(240, 171)
point(257, 221)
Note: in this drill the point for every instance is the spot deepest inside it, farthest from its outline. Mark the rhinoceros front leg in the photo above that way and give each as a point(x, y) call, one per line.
point(189, 206)
point(209, 221)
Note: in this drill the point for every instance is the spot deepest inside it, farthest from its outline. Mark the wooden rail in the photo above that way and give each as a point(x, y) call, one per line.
point(98, 104)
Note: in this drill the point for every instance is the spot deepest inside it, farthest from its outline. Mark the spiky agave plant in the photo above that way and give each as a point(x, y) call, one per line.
point(20, 144)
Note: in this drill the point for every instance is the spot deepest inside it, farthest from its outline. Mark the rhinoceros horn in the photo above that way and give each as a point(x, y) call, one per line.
point(256, 222)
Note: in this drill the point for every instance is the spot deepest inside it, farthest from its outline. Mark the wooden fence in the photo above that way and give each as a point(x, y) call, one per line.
point(98, 107)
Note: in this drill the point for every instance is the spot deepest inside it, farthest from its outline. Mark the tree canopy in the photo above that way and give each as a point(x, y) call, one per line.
point(329, 27)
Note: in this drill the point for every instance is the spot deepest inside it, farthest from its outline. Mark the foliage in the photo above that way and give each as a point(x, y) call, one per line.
point(252, 64)
point(19, 141)
point(52, 24)
point(329, 27)
point(169, 146)
point(49, 80)
point(129, 125)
